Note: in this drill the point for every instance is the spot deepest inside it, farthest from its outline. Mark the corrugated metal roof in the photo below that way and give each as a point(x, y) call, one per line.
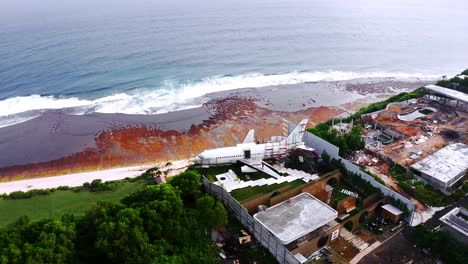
point(445, 164)
point(454, 94)
point(392, 209)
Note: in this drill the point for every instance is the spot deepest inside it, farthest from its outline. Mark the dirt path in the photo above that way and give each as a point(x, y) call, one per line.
point(382, 171)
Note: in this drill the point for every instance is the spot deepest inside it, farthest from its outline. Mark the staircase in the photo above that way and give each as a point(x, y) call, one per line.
point(232, 182)
point(353, 240)
point(298, 173)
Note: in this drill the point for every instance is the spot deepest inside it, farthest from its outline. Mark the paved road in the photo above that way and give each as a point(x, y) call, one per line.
point(434, 221)
point(400, 249)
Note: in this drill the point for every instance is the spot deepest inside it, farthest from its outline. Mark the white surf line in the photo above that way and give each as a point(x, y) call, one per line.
point(77, 179)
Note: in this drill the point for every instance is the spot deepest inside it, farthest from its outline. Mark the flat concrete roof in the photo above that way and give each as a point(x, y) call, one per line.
point(392, 209)
point(454, 94)
point(445, 164)
point(296, 217)
point(453, 219)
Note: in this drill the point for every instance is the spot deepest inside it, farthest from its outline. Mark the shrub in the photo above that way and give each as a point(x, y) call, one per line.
point(19, 195)
point(35, 192)
point(421, 191)
point(98, 186)
point(354, 179)
point(86, 185)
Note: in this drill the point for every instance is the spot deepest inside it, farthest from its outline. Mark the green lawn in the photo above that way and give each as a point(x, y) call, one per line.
point(245, 193)
point(60, 202)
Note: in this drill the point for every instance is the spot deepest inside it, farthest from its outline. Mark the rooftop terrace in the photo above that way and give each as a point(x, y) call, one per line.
point(296, 217)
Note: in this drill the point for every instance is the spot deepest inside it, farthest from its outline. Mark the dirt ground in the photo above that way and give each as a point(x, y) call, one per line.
point(381, 169)
point(426, 135)
point(344, 249)
point(365, 236)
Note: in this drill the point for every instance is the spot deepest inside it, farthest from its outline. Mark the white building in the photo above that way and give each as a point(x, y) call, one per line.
point(456, 222)
point(444, 170)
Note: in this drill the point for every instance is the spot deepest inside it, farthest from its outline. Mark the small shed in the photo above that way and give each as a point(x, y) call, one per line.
point(392, 212)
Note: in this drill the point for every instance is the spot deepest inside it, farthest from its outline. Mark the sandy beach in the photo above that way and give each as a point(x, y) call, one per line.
point(58, 143)
point(77, 179)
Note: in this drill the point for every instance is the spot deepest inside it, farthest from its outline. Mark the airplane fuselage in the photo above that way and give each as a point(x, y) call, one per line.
point(240, 152)
point(277, 147)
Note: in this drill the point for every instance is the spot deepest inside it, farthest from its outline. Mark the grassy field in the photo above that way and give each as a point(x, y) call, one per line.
point(60, 202)
point(245, 193)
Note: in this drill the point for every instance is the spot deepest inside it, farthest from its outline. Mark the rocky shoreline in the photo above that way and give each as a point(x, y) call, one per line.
point(57, 143)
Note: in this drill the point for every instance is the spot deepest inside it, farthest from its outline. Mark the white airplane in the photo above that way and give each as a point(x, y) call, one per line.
point(251, 155)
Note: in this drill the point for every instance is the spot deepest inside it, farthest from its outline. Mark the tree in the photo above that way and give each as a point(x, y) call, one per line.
point(22, 222)
point(354, 138)
point(212, 212)
point(87, 232)
point(48, 241)
point(188, 182)
point(148, 226)
point(161, 208)
point(122, 237)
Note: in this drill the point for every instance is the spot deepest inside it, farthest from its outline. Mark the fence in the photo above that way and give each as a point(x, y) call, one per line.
point(321, 145)
point(283, 255)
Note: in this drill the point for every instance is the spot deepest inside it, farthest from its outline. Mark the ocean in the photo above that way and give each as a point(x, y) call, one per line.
point(148, 57)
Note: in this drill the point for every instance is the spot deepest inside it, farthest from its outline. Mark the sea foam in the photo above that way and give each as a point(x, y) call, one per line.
point(161, 100)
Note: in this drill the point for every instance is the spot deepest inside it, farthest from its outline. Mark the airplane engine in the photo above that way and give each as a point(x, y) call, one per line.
point(247, 169)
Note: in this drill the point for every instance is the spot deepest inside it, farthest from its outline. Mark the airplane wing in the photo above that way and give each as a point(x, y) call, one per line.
point(250, 137)
point(260, 166)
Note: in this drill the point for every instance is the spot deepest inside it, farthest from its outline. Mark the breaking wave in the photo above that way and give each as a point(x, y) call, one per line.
point(166, 99)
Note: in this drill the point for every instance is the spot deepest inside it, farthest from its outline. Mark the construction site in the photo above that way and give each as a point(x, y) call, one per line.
point(305, 216)
point(407, 132)
point(310, 205)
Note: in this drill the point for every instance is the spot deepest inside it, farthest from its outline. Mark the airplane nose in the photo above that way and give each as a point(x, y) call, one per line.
point(196, 160)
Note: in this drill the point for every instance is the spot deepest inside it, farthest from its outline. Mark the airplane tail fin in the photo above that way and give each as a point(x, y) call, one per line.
point(297, 134)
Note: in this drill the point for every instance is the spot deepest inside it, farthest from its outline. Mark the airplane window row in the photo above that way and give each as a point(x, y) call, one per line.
point(237, 156)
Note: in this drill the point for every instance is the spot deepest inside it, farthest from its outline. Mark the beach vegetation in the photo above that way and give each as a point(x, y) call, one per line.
point(59, 202)
point(150, 225)
point(458, 82)
point(188, 182)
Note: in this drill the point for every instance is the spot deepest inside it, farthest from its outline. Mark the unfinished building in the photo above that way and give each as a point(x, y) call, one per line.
point(406, 132)
point(457, 99)
point(456, 222)
point(445, 169)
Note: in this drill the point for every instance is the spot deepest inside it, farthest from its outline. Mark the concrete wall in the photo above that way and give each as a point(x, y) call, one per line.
point(315, 188)
point(278, 250)
point(312, 245)
point(347, 202)
point(370, 200)
point(321, 145)
point(252, 204)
